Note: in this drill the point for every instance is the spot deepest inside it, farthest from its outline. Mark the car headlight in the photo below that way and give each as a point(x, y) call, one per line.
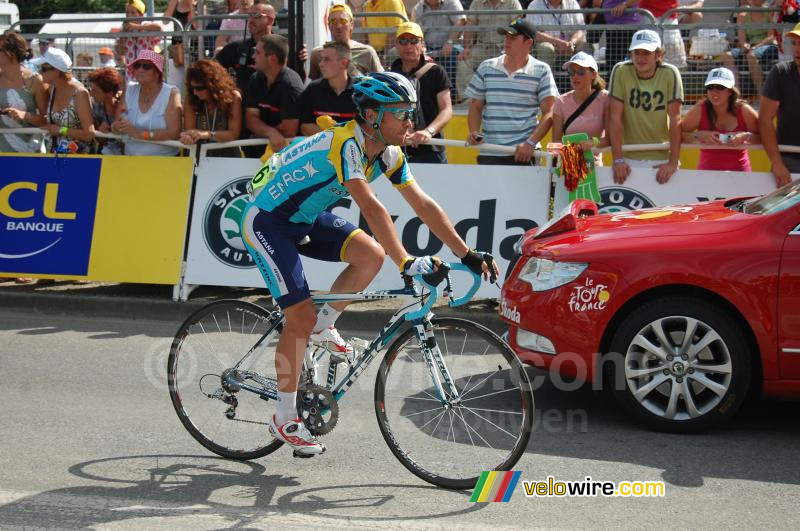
point(543, 274)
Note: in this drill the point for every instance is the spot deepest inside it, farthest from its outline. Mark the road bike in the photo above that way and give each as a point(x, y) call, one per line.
point(451, 398)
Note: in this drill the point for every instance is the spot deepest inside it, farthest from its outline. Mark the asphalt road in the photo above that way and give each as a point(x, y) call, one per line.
point(89, 439)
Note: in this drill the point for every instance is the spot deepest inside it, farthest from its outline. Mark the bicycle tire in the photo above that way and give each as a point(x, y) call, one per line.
point(204, 342)
point(456, 463)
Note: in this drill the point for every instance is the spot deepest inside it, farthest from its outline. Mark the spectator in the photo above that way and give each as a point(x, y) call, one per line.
point(481, 45)
point(23, 99)
point(183, 12)
point(757, 47)
point(332, 94)
point(83, 60)
point(554, 46)
point(106, 91)
point(572, 113)
point(508, 93)
point(442, 34)
point(646, 96)
point(721, 118)
point(781, 100)
point(152, 109)
point(363, 58)
point(273, 93)
point(237, 56)
point(233, 24)
point(690, 17)
point(213, 107)
point(69, 122)
point(106, 58)
point(434, 108)
point(617, 40)
point(129, 47)
point(378, 40)
point(672, 42)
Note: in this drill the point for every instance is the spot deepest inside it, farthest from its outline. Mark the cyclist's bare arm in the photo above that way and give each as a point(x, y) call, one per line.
point(377, 218)
point(434, 217)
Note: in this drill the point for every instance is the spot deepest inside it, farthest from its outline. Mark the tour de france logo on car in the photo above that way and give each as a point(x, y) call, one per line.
point(619, 198)
point(222, 224)
point(47, 213)
point(590, 296)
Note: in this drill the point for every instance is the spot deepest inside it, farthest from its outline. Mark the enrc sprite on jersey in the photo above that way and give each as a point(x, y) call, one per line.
point(288, 217)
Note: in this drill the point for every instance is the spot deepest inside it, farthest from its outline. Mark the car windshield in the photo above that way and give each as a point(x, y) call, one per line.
point(781, 199)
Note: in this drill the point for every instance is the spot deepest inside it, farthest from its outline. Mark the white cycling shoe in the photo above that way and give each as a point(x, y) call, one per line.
point(295, 434)
point(332, 340)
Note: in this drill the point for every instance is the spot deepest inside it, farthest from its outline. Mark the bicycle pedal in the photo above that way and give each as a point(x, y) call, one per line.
point(301, 456)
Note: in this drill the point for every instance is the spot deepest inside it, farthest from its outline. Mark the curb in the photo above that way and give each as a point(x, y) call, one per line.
point(116, 303)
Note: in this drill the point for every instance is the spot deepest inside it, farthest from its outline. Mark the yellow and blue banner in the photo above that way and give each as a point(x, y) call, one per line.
point(494, 486)
point(110, 218)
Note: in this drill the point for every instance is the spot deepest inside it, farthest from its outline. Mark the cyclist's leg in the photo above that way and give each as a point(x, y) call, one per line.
point(334, 239)
point(272, 243)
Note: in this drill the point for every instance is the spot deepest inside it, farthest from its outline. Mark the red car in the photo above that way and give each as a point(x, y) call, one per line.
point(684, 310)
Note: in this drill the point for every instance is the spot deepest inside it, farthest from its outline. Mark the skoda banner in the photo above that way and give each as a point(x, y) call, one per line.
point(641, 190)
point(490, 208)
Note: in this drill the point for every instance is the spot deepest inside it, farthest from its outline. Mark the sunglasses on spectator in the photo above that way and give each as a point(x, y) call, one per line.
point(338, 22)
point(260, 15)
point(716, 87)
point(143, 66)
point(407, 40)
point(578, 71)
point(46, 68)
point(198, 88)
point(400, 114)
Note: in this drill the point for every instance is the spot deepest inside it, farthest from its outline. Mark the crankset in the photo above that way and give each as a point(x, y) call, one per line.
point(318, 408)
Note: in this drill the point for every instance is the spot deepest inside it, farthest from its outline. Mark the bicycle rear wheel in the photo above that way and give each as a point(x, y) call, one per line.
point(450, 445)
point(231, 422)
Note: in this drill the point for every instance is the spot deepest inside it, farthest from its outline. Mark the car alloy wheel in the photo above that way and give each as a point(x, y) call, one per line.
point(684, 364)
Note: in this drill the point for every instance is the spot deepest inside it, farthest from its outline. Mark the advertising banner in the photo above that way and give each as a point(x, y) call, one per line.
point(490, 206)
point(641, 190)
point(118, 219)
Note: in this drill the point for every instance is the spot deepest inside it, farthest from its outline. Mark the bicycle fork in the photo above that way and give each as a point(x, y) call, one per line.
point(440, 374)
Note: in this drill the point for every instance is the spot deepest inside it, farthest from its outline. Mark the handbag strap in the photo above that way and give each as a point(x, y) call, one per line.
point(588, 101)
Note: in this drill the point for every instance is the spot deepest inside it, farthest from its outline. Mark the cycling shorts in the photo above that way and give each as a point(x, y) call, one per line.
point(275, 244)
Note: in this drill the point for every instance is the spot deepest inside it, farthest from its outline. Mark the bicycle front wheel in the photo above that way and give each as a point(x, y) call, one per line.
point(450, 442)
point(229, 421)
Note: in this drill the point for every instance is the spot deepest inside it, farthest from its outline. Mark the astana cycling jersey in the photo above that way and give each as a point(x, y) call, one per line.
point(306, 177)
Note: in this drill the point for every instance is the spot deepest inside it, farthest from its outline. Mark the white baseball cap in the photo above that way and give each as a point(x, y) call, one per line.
point(58, 59)
point(721, 76)
point(582, 59)
point(645, 40)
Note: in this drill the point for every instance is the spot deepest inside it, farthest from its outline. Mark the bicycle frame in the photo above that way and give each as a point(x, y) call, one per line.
point(419, 318)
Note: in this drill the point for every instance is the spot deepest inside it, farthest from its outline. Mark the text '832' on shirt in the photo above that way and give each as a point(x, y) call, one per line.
point(644, 118)
point(308, 176)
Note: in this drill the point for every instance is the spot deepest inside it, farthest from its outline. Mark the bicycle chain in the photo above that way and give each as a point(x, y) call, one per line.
point(318, 408)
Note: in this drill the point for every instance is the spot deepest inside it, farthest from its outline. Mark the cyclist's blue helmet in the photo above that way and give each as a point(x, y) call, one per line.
point(382, 87)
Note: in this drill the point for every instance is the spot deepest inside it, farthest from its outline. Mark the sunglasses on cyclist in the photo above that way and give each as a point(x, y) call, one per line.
point(716, 87)
point(400, 114)
point(143, 66)
point(407, 40)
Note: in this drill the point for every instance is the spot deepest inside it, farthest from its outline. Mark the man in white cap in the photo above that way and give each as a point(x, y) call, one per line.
point(646, 96)
point(781, 98)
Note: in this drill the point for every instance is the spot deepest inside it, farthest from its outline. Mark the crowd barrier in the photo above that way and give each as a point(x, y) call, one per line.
point(175, 220)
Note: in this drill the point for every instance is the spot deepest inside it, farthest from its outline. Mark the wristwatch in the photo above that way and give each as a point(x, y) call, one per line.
point(430, 131)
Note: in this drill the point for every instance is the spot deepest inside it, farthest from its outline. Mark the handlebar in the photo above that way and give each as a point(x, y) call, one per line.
point(432, 281)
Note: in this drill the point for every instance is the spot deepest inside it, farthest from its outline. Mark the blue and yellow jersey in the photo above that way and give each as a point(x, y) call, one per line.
point(306, 177)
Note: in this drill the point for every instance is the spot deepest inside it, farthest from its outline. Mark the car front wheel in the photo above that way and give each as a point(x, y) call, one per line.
point(682, 364)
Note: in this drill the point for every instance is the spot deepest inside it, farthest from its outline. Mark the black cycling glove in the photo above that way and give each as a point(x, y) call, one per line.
point(474, 261)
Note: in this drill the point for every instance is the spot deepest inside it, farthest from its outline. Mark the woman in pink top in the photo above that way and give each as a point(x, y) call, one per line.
point(721, 118)
point(586, 83)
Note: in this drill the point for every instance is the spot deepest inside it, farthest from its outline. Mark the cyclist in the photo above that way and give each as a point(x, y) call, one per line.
point(288, 217)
